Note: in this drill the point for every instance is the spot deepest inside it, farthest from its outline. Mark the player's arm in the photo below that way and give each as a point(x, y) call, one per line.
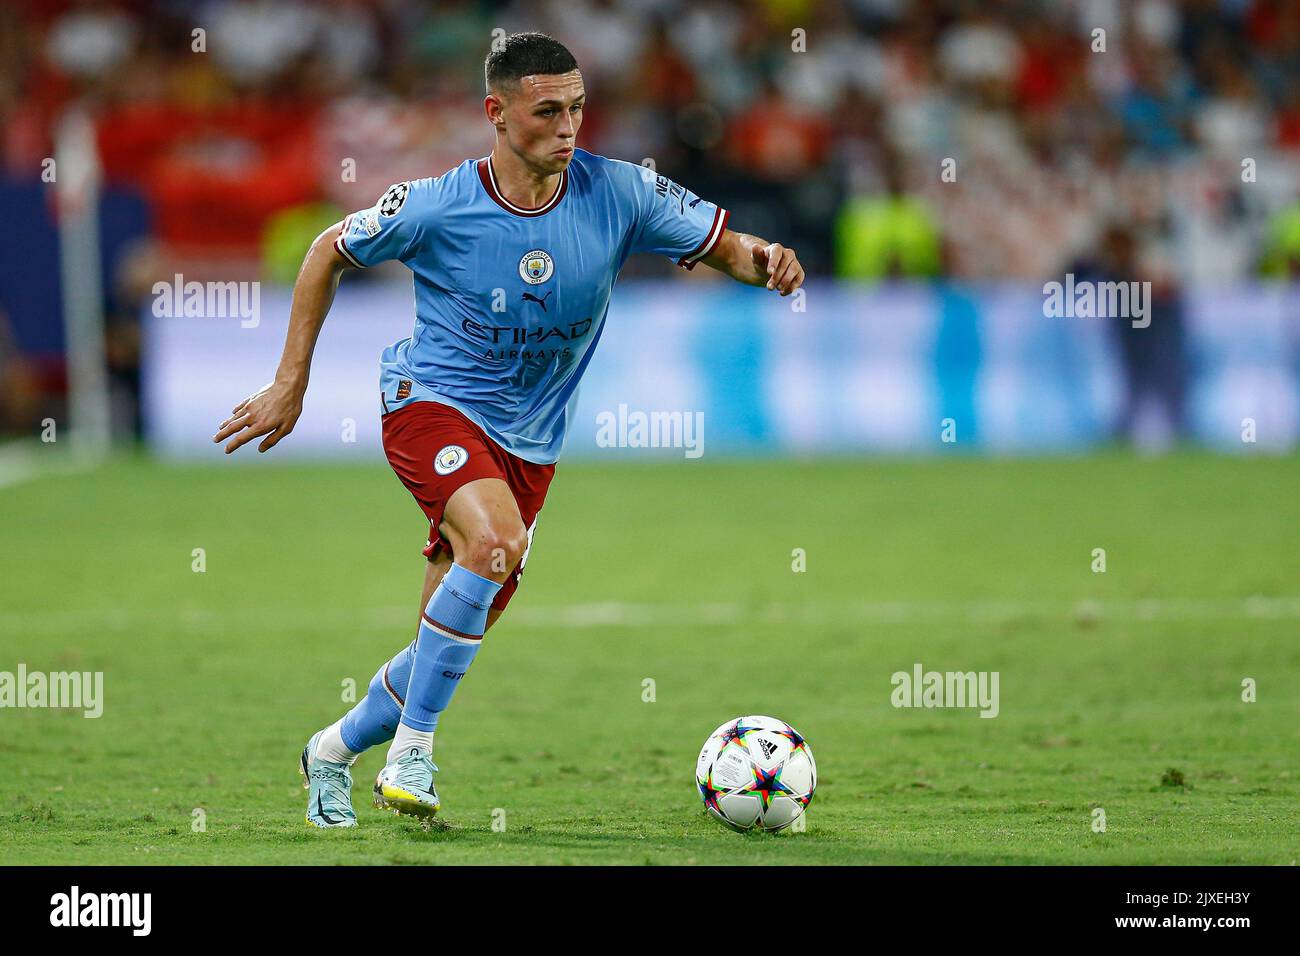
point(274, 409)
point(756, 261)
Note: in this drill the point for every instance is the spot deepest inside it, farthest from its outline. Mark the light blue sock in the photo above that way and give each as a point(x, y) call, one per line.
point(374, 719)
point(450, 634)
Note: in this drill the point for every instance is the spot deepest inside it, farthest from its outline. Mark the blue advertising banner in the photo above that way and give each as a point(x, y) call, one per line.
point(685, 370)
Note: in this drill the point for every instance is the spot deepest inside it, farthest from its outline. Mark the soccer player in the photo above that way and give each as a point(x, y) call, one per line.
point(514, 258)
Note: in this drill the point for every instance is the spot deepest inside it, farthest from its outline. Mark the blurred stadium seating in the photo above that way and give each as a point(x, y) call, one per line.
point(1173, 135)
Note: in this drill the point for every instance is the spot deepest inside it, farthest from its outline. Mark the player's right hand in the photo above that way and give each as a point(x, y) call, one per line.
point(272, 411)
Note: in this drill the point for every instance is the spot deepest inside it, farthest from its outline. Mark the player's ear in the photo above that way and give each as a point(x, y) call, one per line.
point(495, 109)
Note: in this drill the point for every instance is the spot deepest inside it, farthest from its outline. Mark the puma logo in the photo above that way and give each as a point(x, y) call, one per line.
point(528, 296)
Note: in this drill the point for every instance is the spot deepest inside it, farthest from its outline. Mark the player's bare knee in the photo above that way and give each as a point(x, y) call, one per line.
point(494, 552)
point(508, 549)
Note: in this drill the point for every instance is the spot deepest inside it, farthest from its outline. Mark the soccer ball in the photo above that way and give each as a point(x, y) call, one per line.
point(756, 772)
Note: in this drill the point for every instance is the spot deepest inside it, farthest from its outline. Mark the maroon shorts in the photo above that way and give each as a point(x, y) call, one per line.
point(435, 449)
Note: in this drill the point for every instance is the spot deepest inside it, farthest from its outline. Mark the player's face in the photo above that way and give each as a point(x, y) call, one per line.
point(542, 118)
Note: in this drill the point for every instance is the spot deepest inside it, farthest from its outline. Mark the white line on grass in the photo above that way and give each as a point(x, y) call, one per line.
point(17, 464)
point(26, 460)
point(622, 614)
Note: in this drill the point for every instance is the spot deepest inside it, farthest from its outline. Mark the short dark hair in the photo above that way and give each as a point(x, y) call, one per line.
point(526, 54)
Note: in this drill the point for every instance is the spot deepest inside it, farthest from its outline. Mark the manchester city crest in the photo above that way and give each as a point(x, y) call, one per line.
point(449, 459)
point(536, 266)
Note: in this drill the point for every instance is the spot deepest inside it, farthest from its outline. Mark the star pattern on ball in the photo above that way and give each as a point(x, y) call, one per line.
point(766, 783)
point(709, 792)
point(796, 741)
point(737, 731)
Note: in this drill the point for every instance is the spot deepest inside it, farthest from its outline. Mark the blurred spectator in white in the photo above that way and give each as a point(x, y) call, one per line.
point(256, 41)
point(91, 39)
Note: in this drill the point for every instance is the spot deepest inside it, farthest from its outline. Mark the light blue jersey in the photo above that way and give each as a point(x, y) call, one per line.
point(510, 302)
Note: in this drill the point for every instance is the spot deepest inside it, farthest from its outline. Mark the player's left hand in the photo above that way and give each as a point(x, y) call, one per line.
point(784, 274)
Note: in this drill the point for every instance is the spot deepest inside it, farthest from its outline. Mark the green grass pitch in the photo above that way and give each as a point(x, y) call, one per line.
point(680, 573)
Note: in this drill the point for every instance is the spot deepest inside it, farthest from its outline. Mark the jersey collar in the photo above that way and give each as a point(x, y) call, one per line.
point(489, 178)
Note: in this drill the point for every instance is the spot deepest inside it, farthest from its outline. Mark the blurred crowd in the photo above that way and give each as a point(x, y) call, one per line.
point(831, 119)
point(974, 139)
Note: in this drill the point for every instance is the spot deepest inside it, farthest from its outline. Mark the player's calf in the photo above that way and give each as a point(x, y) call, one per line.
point(451, 630)
point(487, 536)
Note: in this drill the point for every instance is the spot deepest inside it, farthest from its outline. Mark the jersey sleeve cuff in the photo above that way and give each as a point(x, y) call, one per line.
point(341, 246)
point(710, 241)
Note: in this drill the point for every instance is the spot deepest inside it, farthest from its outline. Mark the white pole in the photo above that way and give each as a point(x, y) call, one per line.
point(77, 176)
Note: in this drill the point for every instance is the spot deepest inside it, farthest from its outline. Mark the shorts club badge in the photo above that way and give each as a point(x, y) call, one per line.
point(449, 459)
